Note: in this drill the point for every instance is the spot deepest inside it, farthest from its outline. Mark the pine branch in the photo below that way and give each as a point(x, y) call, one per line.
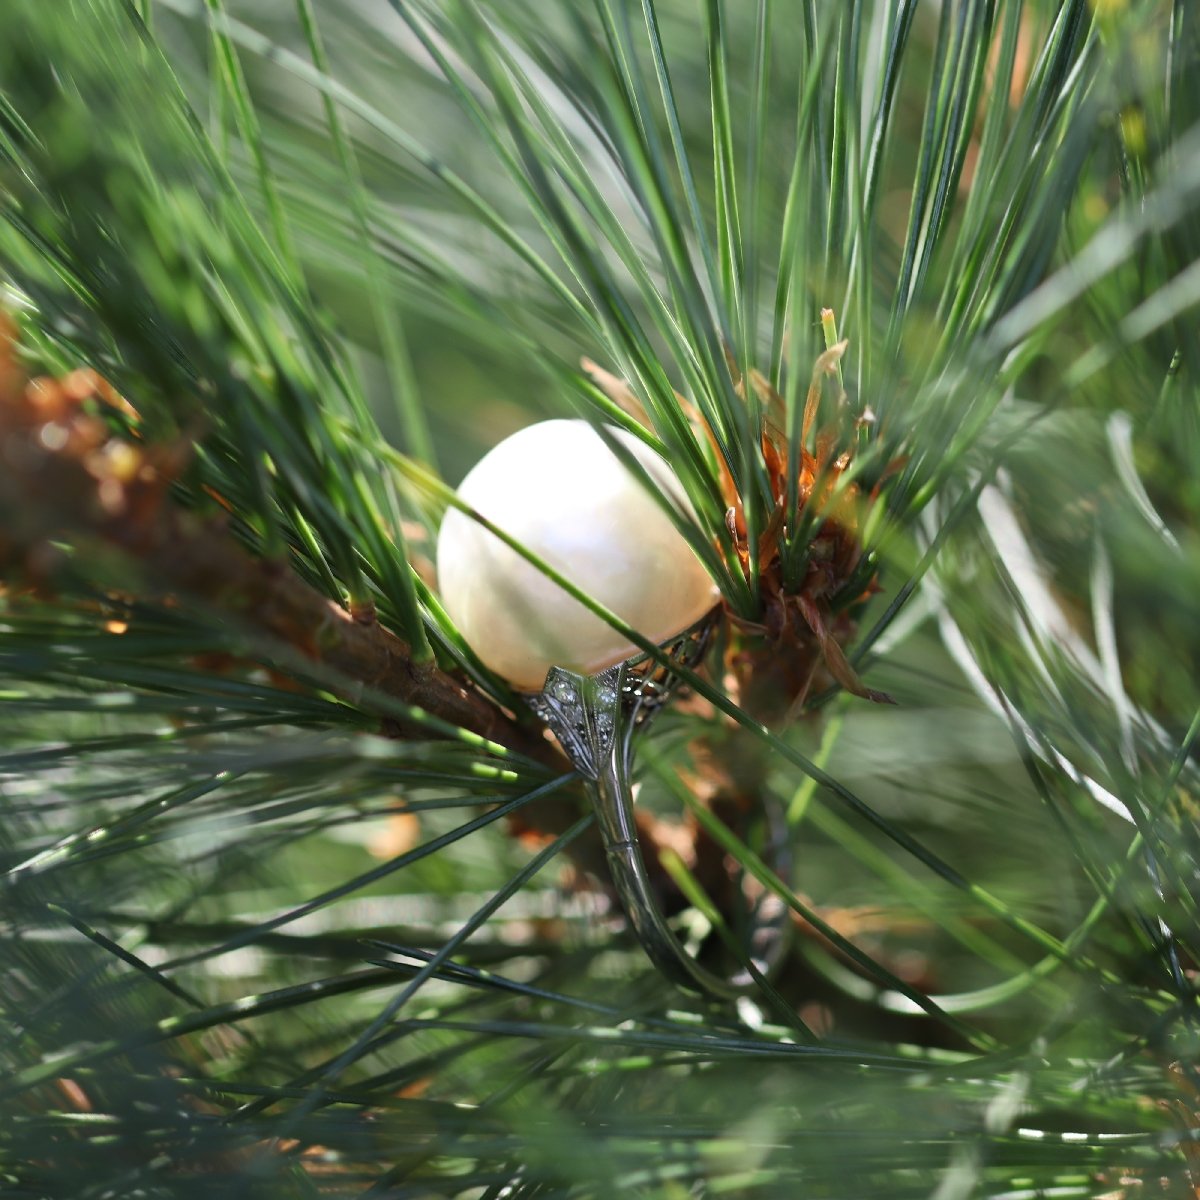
point(68, 478)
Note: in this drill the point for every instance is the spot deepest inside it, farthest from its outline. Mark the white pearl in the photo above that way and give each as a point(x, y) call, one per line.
point(561, 492)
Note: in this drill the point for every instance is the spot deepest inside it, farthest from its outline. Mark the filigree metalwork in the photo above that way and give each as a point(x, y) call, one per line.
point(584, 711)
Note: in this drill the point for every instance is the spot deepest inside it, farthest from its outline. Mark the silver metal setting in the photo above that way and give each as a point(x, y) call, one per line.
point(585, 711)
point(595, 718)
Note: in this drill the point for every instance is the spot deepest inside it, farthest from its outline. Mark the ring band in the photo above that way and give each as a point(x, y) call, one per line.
point(595, 718)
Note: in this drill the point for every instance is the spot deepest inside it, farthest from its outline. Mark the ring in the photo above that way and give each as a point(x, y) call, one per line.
point(556, 495)
point(596, 719)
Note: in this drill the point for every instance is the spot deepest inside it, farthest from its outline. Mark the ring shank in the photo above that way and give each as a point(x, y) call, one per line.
point(596, 718)
point(613, 800)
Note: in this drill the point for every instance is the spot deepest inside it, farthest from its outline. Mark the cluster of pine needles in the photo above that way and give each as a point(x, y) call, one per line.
point(298, 899)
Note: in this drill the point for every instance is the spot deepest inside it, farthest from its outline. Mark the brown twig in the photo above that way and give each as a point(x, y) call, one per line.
point(62, 476)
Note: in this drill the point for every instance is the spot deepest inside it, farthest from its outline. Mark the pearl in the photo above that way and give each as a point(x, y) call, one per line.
point(562, 493)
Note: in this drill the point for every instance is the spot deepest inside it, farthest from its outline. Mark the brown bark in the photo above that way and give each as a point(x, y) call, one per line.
point(63, 477)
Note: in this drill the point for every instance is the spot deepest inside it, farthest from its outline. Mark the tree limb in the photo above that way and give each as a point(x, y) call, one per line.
point(62, 476)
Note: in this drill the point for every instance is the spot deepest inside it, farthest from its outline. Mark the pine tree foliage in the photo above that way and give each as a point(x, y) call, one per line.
point(298, 900)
